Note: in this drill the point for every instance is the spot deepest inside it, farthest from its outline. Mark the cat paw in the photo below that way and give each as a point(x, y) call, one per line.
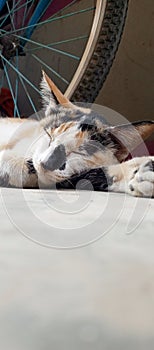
point(142, 182)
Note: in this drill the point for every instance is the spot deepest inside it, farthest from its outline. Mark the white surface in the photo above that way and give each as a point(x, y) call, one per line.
point(100, 296)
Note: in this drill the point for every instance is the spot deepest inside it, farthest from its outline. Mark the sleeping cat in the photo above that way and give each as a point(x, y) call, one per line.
point(72, 143)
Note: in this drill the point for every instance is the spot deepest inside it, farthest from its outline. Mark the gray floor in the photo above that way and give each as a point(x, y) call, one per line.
point(76, 271)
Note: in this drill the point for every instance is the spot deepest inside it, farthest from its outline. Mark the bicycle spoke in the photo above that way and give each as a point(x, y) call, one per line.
point(16, 83)
point(2, 79)
point(13, 10)
point(52, 19)
point(7, 4)
point(49, 48)
point(13, 5)
point(83, 37)
point(27, 94)
point(20, 74)
point(36, 16)
point(24, 14)
point(11, 89)
point(51, 69)
point(30, 7)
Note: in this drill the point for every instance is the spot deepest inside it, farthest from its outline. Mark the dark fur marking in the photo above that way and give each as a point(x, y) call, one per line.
point(98, 140)
point(91, 119)
point(63, 166)
point(98, 178)
point(4, 181)
point(30, 166)
point(103, 138)
point(88, 127)
point(144, 122)
point(57, 159)
point(150, 164)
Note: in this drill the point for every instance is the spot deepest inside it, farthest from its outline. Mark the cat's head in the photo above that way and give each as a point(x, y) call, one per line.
point(77, 139)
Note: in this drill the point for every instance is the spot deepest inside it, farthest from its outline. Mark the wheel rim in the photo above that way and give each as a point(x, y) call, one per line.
point(93, 37)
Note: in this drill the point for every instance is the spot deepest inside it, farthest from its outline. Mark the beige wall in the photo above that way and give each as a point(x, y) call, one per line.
point(129, 87)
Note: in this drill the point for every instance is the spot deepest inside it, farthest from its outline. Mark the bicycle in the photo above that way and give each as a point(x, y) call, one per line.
point(75, 41)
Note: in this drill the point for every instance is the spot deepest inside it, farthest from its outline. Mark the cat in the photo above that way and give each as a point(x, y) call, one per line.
point(73, 145)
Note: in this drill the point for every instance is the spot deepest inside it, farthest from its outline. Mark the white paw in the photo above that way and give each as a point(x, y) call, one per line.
point(142, 182)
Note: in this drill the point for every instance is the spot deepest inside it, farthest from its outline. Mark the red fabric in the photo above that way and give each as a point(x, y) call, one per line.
point(55, 7)
point(150, 147)
point(144, 149)
point(6, 102)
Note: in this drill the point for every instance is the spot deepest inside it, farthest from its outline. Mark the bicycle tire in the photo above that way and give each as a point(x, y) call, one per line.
point(104, 52)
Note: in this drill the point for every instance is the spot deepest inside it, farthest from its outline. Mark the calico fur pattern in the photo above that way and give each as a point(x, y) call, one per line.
point(73, 147)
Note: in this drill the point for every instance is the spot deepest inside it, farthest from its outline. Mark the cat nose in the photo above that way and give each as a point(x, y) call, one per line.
point(56, 160)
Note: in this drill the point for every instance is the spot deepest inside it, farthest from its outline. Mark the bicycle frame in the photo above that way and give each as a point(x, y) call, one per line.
point(2, 3)
point(39, 11)
point(43, 10)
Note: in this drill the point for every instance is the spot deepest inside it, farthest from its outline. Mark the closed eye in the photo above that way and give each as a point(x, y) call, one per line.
point(80, 153)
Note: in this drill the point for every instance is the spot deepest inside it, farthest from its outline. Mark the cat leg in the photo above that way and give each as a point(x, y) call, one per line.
point(15, 171)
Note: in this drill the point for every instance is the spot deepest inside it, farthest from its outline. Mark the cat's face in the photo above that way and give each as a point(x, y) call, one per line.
point(77, 139)
point(70, 148)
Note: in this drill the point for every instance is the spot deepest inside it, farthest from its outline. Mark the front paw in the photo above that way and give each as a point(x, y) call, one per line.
point(142, 182)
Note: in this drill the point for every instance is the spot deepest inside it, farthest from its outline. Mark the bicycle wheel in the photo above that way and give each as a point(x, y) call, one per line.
point(75, 46)
point(100, 51)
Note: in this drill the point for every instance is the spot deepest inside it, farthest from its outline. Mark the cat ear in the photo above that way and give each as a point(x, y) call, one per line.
point(128, 136)
point(52, 95)
point(48, 98)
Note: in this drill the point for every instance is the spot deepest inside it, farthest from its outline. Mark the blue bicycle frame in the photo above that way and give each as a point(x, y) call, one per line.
point(38, 13)
point(2, 3)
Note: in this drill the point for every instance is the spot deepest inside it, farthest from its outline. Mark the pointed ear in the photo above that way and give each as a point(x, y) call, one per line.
point(128, 136)
point(48, 98)
point(52, 94)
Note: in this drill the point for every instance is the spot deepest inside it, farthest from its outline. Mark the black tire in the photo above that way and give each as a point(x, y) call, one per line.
point(104, 52)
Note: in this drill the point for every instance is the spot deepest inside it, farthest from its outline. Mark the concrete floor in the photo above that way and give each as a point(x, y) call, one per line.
point(97, 296)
